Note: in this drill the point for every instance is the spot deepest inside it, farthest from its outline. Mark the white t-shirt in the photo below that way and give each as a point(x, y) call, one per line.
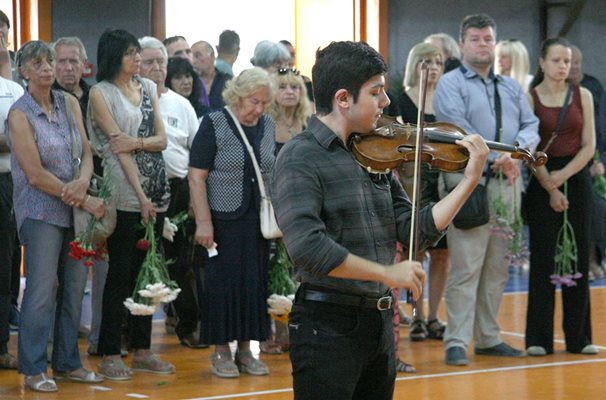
point(181, 126)
point(9, 93)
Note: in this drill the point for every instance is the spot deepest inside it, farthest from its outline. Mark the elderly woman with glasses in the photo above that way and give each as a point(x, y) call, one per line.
point(47, 140)
point(226, 201)
point(126, 129)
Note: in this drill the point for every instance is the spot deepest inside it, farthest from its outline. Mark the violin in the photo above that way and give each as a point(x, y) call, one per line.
point(393, 144)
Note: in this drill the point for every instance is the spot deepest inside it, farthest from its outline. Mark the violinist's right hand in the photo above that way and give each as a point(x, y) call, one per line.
point(408, 275)
point(478, 154)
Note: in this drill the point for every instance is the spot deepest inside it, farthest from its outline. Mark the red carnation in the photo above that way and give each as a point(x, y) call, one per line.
point(143, 244)
point(76, 251)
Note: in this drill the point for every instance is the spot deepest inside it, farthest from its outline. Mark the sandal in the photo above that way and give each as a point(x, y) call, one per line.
point(114, 369)
point(435, 329)
point(8, 361)
point(40, 383)
point(152, 363)
point(248, 364)
point(81, 375)
point(418, 330)
point(270, 347)
point(401, 366)
point(223, 366)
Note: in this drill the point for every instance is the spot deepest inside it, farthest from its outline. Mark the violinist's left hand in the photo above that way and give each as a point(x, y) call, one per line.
point(508, 166)
point(478, 154)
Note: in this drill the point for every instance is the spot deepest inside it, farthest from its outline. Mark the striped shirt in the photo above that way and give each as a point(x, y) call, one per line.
point(54, 142)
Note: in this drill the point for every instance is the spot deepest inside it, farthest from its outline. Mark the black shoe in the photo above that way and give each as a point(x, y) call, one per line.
point(456, 356)
point(500, 350)
point(192, 342)
point(14, 317)
point(418, 330)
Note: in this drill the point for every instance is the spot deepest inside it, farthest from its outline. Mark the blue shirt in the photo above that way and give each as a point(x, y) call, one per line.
point(465, 99)
point(54, 141)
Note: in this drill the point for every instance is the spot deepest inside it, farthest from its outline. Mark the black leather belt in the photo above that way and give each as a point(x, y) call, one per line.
point(381, 304)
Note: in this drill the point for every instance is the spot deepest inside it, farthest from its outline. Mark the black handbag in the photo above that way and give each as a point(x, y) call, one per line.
point(475, 211)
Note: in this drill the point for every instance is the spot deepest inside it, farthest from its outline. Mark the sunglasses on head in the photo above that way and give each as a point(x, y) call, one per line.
point(284, 71)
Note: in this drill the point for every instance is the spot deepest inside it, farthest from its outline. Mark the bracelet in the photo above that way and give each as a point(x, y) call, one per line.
point(87, 198)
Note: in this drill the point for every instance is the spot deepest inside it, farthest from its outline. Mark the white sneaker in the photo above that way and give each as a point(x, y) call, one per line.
point(590, 350)
point(536, 351)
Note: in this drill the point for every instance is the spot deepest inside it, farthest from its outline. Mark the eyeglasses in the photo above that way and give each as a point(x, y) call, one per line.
point(284, 71)
point(132, 52)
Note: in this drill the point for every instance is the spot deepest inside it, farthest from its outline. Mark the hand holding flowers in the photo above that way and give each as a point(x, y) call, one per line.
point(153, 284)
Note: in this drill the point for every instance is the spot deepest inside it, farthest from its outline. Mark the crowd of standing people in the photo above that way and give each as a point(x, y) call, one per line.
point(180, 137)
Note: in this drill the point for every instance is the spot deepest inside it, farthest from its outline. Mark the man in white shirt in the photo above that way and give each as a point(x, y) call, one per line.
point(181, 125)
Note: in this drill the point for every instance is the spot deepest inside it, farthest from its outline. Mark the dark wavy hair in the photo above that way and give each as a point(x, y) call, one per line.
point(545, 45)
point(343, 65)
point(112, 46)
point(178, 66)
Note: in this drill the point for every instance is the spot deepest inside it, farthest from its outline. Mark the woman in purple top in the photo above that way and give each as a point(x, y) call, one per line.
point(45, 190)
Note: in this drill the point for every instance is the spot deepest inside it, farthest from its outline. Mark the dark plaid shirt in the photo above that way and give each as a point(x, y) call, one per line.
point(328, 206)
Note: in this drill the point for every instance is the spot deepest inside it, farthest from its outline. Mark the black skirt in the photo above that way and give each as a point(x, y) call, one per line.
point(233, 302)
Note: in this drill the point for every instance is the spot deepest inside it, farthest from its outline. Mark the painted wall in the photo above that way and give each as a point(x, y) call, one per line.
point(410, 21)
point(88, 19)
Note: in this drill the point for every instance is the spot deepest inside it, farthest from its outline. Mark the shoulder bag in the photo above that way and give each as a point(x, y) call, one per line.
point(269, 226)
point(106, 225)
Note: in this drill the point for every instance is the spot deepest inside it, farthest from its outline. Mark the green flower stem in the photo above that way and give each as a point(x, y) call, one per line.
point(566, 255)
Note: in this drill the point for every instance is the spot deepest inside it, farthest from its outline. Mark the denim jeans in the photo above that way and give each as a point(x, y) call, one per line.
point(99, 276)
point(54, 285)
point(341, 352)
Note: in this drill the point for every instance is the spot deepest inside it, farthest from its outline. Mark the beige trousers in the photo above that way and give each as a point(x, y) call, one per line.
point(478, 275)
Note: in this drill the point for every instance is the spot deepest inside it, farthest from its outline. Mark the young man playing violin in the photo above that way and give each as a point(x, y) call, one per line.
point(340, 226)
point(495, 106)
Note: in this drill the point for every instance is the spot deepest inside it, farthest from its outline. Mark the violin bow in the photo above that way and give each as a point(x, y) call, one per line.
point(413, 246)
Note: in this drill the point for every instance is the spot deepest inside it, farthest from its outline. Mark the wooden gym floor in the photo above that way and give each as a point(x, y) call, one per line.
point(559, 376)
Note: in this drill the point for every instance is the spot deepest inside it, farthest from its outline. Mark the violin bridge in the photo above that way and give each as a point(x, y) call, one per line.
point(408, 130)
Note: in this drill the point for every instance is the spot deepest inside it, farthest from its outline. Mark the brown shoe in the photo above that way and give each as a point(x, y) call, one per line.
point(8, 361)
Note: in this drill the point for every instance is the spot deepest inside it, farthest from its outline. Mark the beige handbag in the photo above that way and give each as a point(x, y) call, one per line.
point(269, 226)
point(106, 225)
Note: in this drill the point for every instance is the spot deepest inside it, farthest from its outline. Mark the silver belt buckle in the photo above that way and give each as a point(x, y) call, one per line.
point(384, 303)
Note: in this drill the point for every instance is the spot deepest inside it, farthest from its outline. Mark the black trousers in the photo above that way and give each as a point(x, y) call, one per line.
point(125, 261)
point(544, 224)
point(181, 252)
point(341, 352)
point(10, 258)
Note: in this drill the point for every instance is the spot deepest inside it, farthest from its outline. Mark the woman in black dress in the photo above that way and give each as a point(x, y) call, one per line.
point(409, 102)
point(226, 202)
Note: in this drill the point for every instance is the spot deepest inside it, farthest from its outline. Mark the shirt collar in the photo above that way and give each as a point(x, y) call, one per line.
point(323, 134)
point(38, 110)
point(469, 73)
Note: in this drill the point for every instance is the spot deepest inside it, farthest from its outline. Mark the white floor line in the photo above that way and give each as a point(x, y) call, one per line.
point(427, 376)
point(490, 370)
point(560, 341)
point(237, 395)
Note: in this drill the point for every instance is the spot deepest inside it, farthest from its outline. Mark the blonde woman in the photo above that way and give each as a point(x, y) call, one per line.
point(512, 60)
point(409, 103)
point(291, 107)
